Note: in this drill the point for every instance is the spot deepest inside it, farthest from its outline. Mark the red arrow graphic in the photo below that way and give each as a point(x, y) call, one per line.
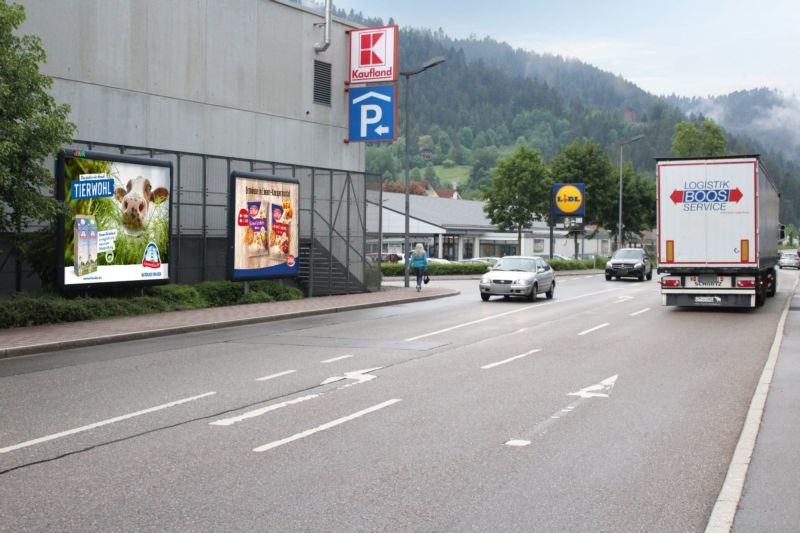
point(736, 195)
point(676, 196)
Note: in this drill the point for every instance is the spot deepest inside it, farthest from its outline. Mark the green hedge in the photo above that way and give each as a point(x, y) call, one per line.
point(434, 269)
point(35, 309)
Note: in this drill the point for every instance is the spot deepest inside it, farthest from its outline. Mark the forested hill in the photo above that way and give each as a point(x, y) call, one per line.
point(488, 97)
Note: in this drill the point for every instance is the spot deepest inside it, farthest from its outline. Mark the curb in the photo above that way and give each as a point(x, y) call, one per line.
point(48, 347)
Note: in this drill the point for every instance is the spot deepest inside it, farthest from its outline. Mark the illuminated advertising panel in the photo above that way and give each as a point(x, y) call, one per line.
point(263, 232)
point(117, 228)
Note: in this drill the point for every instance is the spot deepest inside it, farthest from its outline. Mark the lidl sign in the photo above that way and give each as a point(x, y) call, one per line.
point(568, 199)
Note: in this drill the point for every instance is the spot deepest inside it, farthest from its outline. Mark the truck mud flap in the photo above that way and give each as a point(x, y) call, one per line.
point(710, 300)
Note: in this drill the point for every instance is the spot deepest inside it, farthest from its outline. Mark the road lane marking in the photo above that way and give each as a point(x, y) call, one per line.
point(623, 298)
point(594, 329)
point(333, 360)
point(279, 374)
point(102, 423)
point(599, 390)
point(259, 412)
point(500, 315)
point(520, 356)
point(646, 309)
point(325, 426)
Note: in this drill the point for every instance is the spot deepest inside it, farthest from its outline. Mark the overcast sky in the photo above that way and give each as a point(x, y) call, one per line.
point(686, 47)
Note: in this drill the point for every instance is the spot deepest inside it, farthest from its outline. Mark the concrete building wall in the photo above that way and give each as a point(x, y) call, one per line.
point(232, 78)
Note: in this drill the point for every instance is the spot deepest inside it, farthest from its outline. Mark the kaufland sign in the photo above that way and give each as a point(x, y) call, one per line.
point(373, 54)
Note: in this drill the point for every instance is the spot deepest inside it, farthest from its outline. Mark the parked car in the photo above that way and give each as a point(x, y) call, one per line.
point(385, 257)
point(560, 257)
point(520, 276)
point(789, 260)
point(629, 263)
point(487, 260)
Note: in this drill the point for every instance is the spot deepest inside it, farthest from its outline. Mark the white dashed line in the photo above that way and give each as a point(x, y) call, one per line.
point(646, 309)
point(520, 356)
point(259, 412)
point(594, 329)
point(279, 374)
point(336, 359)
point(102, 423)
point(325, 426)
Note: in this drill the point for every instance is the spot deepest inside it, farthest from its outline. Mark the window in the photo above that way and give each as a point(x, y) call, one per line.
point(322, 83)
point(469, 245)
point(450, 247)
point(498, 248)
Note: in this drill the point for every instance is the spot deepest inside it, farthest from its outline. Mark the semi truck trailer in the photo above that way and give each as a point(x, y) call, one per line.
point(718, 231)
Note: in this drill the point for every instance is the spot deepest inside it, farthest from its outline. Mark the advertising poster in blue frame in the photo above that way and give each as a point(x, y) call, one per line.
point(118, 225)
point(263, 229)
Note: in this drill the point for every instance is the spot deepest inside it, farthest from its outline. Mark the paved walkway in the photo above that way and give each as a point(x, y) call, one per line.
point(36, 339)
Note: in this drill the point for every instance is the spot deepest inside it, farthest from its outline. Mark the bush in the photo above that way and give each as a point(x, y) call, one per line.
point(180, 296)
point(444, 269)
point(220, 293)
point(47, 308)
point(278, 291)
point(253, 297)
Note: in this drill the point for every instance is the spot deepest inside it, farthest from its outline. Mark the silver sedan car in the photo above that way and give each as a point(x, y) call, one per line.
point(520, 276)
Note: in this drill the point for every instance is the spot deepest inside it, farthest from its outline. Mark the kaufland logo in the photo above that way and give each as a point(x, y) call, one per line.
point(372, 54)
point(372, 49)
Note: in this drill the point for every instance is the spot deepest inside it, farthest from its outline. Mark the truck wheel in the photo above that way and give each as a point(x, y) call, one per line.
point(772, 284)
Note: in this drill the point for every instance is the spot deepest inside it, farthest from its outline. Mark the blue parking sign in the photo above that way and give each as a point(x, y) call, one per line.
point(372, 113)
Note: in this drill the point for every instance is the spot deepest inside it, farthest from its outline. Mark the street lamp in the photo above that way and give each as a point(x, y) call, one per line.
point(425, 66)
point(619, 225)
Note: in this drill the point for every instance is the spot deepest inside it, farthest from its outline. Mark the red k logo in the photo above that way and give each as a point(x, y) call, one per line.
point(372, 49)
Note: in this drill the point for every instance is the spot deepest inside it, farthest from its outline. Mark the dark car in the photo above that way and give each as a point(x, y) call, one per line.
point(385, 257)
point(629, 263)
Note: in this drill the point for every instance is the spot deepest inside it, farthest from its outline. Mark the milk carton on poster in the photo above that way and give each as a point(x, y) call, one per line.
point(91, 250)
point(80, 249)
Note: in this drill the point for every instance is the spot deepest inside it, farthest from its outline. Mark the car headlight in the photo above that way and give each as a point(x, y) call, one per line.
point(485, 280)
point(638, 265)
point(608, 265)
point(522, 281)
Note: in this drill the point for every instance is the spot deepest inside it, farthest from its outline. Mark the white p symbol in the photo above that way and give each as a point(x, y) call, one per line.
point(370, 114)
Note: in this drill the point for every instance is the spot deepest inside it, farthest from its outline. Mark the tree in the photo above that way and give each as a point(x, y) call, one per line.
point(32, 127)
point(589, 164)
point(518, 194)
point(706, 141)
point(639, 203)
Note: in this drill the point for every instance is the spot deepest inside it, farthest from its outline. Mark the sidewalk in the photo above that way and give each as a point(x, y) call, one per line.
point(36, 339)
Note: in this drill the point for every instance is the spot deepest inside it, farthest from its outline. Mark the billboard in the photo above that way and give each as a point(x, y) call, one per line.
point(117, 227)
point(263, 230)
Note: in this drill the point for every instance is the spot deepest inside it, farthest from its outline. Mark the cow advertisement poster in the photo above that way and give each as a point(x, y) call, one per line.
point(263, 235)
point(117, 228)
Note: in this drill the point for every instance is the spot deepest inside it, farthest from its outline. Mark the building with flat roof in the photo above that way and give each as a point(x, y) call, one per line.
point(460, 229)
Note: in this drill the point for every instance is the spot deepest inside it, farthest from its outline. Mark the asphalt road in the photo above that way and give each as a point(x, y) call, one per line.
point(598, 410)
